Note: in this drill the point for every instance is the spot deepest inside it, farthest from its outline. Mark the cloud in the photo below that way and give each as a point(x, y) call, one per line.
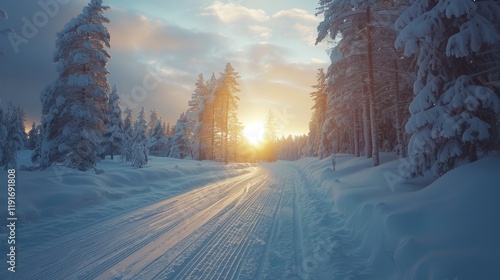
point(301, 22)
point(296, 14)
point(134, 31)
point(231, 12)
point(261, 32)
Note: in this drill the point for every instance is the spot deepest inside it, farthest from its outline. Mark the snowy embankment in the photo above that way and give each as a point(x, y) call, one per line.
point(71, 198)
point(410, 229)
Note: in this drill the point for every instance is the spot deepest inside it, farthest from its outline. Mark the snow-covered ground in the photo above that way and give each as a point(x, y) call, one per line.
point(183, 219)
point(379, 226)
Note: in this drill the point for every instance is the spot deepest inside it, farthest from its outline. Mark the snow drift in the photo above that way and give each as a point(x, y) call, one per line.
point(416, 229)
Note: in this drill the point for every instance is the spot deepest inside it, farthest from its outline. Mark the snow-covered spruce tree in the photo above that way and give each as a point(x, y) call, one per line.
point(19, 118)
point(113, 138)
point(37, 149)
point(158, 141)
point(154, 117)
point(32, 137)
point(74, 106)
point(180, 147)
point(456, 107)
point(128, 136)
point(140, 142)
point(15, 137)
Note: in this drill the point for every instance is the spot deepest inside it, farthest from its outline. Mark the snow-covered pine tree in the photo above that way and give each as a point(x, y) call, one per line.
point(347, 95)
point(128, 136)
point(158, 141)
point(226, 103)
point(206, 129)
point(154, 117)
point(180, 147)
point(32, 137)
point(456, 107)
point(20, 118)
point(113, 138)
point(140, 144)
point(194, 115)
point(319, 113)
point(37, 149)
point(15, 138)
point(362, 78)
point(74, 106)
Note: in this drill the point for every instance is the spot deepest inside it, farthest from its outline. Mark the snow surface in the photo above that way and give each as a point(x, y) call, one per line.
point(447, 230)
point(184, 219)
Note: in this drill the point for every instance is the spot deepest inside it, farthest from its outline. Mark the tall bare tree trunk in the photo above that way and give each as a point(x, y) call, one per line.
point(356, 134)
point(367, 131)
point(373, 117)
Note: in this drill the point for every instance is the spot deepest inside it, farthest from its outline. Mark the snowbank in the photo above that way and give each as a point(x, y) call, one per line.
point(387, 228)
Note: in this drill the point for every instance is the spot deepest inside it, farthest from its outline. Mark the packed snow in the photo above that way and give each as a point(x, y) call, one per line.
point(185, 219)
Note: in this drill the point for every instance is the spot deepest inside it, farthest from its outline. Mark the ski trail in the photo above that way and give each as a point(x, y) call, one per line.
point(252, 226)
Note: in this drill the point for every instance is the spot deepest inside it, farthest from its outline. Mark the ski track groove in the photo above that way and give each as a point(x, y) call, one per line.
point(199, 216)
point(243, 249)
point(219, 241)
point(272, 232)
point(205, 233)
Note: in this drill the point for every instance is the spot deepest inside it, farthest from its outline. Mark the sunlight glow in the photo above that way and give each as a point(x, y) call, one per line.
point(254, 133)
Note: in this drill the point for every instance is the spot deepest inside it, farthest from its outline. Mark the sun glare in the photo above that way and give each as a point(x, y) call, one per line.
point(254, 133)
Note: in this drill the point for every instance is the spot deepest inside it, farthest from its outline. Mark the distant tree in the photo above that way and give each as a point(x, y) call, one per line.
point(128, 136)
point(270, 137)
point(158, 141)
point(141, 141)
point(37, 148)
point(180, 147)
point(20, 118)
point(74, 106)
point(33, 135)
point(154, 118)
point(291, 148)
point(113, 137)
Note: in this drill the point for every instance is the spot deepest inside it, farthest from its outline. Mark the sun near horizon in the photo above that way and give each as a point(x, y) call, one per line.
point(254, 133)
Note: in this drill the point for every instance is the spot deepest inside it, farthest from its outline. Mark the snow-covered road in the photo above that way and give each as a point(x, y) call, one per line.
point(250, 226)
